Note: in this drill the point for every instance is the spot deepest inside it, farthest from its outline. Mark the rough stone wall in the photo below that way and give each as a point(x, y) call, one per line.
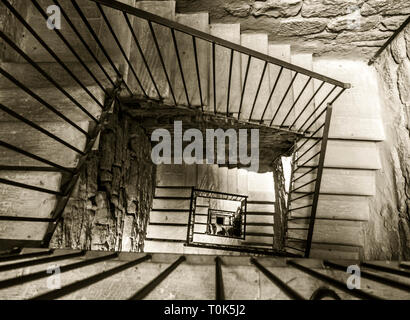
point(342, 27)
point(280, 214)
point(111, 205)
point(392, 201)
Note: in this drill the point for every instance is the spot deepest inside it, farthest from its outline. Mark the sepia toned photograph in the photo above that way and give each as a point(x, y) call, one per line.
point(194, 151)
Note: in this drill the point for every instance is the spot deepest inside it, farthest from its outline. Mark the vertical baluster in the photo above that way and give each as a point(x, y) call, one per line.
point(259, 88)
point(244, 85)
point(214, 75)
point(197, 71)
point(144, 60)
point(180, 65)
point(229, 83)
point(162, 61)
point(219, 283)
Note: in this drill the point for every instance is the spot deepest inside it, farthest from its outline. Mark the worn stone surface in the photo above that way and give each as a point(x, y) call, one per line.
point(277, 8)
point(390, 232)
point(280, 214)
point(353, 22)
point(110, 207)
point(311, 25)
point(385, 7)
point(398, 48)
point(329, 8)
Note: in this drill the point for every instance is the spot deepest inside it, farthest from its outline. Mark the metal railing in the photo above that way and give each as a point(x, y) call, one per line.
point(114, 86)
point(389, 277)
point(213, 44)
point(302, 161)
point(211, 209)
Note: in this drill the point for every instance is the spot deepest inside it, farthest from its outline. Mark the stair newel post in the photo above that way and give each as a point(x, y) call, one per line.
point(219, 283)
point(318, 179)
point(244, 218)
point(191, 214)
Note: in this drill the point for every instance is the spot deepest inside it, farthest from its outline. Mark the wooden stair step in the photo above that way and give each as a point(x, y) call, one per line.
point(233, 181)
point(303, 60)
point(166, 232)
point(222, 179)
point(24, 137)
point(31, 109)
point(39, 54)
point(168, 217)
point(163, 247)
point(198, 21)
point(281, 52)
point(144, 36)
point(23, 230)
point(355, 128)
point(330, 232)
point(336, 207)
point(260, 239)
point(171, 175)
point(201, 210)
point(201, 228)
point(321, 251)
point(340, 181)
point(201, 219)
point(260, 187)
point(242, 182)
point(232, 33)
point(210, 239)
point(173, 192)
point(258, 42)
point(257, 244)
point(268, 208)
point(19, 202)
point(343, 154)
point(258, 229)
point(170, 204)
point(32, 78)
point(364, 87)
point(259, 218)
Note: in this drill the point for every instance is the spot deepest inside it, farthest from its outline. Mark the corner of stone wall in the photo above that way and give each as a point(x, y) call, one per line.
point(111, 204)
point(392, 200)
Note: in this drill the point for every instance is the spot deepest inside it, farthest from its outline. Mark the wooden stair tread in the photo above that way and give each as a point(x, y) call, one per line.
point(340, 181)
point(198, 21)
point(343, 154)
point(143, 34)
point(336, 207)
point(282, 52)
point(19, 202)
point(258, 42)
point(230, 32)
point(303, 60)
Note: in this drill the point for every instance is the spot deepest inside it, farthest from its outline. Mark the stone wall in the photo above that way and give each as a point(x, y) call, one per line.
point(110, 207)
point(392, 201)
point(342, 27)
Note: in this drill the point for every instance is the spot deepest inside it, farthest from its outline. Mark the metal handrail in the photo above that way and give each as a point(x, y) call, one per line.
point(221, 42)
point(391, 276)
point(119, 83)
